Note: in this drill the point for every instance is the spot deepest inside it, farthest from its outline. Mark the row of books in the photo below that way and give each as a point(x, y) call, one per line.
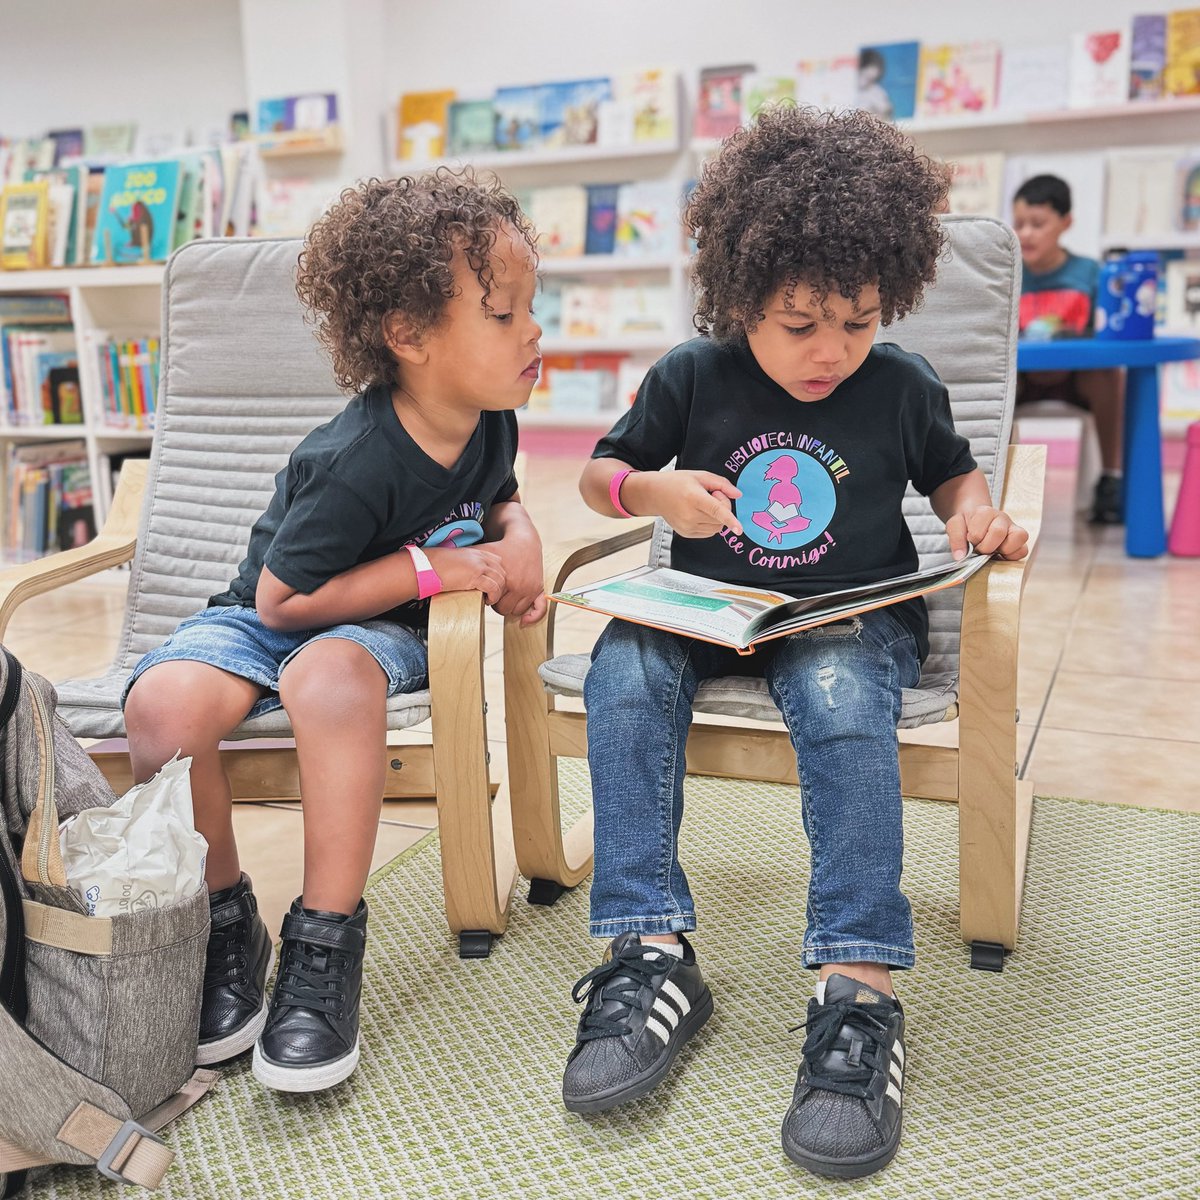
point(575, 308)
point(82, 212)
point(39, 367)
point(633, 108)
point(1157, 56)
point(629, 220)
point(49, 502)
point(576, 385)
point(128, 373)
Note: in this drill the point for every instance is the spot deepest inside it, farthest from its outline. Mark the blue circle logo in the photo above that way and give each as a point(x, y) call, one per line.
point(456, 533)
point(787, 499)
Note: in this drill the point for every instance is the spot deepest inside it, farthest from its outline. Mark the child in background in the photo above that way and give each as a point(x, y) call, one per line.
point(422, 292)
point(813, 229)
point(1058, 297)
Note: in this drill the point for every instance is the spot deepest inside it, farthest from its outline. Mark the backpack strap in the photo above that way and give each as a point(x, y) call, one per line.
point(12, 687)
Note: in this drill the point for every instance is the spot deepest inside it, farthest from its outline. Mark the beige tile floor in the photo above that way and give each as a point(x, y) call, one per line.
point(1109, 687)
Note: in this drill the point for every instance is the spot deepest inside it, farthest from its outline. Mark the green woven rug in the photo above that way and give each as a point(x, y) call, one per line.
point(1073, 1074)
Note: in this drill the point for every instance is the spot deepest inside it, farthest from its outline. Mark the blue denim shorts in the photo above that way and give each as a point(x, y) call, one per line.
point(236, 640)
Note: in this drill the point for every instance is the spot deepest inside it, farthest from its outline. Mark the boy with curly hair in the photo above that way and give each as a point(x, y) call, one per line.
point(421, 290)
point(794, 437)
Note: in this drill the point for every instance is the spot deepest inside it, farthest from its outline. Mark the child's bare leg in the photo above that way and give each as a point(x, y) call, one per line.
point(189, 707)
point(335, 694)
point(1104, 390)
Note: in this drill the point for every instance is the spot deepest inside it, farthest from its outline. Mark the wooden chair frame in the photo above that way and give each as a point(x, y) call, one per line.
point(478, 863)
point(995, 806)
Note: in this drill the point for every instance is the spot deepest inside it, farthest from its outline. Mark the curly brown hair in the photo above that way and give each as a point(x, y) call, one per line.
point(386, 247)
point(836, 200)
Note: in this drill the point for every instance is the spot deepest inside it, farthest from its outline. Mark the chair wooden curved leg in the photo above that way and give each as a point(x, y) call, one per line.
point(478, 865)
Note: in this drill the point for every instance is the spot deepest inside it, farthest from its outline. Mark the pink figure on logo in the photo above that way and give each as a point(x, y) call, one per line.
point(782, 514)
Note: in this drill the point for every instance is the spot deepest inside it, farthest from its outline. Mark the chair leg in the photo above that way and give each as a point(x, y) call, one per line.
point(550, 860)
point(478, 864)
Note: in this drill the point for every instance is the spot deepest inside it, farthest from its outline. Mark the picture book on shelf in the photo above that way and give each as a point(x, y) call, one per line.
point(1033, 79)
point(601, 218)
point(1181, 73)
point(518, 118)
point(887, 79)
point(648, 219)
point(1139, 196)
point(560, 216)
point(24, 224)
point(828, 83)
point(654, 96)
point(109, 141)
point(743, 617)
point(1147, 56)
point(1187, 195)
point(570, 111)
point(759, 89)
point(283, 114)
point(958, 79)
point(1099, 69)
point(1183, 295)
point(470, 127)
point(719, 100)
point(422, 120)
point(976, 184)
point(138, 212)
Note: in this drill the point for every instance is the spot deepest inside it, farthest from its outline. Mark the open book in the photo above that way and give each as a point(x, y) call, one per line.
point(741, 617)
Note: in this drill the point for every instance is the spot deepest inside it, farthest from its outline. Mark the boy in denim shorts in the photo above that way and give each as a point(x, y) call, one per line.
point(422, 292)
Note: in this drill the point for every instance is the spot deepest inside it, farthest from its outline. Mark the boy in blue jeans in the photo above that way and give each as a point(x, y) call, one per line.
point(422, 292)
point(813, 229)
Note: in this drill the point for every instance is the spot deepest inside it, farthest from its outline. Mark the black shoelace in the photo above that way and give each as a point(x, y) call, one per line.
point(226, 959)
point(619, 979)
point(865, 1054)
point(312, 977)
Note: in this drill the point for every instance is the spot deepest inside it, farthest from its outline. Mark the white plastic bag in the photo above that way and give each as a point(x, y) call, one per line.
point(141, 852)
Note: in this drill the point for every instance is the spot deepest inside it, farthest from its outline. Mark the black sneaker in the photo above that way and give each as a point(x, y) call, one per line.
point(1108, 501)
point(234, 1009)
point(640, 1007)
point(844, 1121)
point(311, 1038)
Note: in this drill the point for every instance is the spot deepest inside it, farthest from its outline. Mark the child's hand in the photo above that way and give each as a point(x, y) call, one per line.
point(524, 592)
point(696, 504)
point(469, 569)
point(989, 530)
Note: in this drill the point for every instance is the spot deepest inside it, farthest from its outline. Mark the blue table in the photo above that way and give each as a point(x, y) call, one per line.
point(1145, 522)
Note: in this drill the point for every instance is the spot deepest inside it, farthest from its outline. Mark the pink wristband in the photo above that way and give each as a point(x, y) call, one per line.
point(429, 582)
point(614, 491)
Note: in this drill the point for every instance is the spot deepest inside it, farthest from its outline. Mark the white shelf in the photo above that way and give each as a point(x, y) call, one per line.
point(62, 279)
point(538, 158)
point(543, 418)
point(631, 343)
point(1152, 241)
point(44, 433)
point(114, 433)
point(600, 264)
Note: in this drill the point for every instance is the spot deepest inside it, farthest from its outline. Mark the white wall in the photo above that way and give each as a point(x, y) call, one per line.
point(166, 64)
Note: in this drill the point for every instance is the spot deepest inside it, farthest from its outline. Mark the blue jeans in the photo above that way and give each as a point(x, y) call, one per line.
point(839, 690)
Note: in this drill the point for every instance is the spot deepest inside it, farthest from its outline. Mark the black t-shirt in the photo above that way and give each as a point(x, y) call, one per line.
point(822, 481)
point(359, 487)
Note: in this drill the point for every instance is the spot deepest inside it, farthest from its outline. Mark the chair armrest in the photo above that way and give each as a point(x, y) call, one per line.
point(114, 545)
point(1024, 488)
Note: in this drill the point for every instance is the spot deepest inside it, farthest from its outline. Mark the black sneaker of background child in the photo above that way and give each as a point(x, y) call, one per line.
point(640, 1006)
point(1108, 501)
point(311, 1037)
point(234, 1008)
point(844, 1121)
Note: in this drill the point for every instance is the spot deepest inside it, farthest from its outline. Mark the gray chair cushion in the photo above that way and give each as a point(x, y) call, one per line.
point(967, 329)
point(243, 381)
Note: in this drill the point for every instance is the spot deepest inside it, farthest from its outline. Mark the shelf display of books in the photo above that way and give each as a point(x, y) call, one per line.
point(48, 501)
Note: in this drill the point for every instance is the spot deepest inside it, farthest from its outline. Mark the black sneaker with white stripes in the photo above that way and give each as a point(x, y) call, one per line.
point(640, 1006)
point(844, 1121)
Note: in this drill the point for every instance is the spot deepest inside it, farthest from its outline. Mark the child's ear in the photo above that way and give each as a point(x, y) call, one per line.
point(401, 340)
point(1068, 221)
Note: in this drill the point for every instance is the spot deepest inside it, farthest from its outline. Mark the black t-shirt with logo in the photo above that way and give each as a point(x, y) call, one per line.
point(359, 487)
point(822, 481)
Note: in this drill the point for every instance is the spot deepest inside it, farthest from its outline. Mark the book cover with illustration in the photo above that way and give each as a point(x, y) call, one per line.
point(1183, 295)
point(570, 111)
point(560, 216)
point(518, 118)
point(830, 84)
point(601, 218)
point(976, 185)
point(282, 114)
point(471, 127)
point(887, 79)
point(24, 225)
point(421, 125)
point(653, 96)
point(1099, 69)
point(1181, 74)
point(719, 100)
point(1147, 56)
point(648, 219)
point(759, 89)
point(1187, 195)
point(138, 212)
point(1139, 196)
point(956, 80)
point(1033, 79)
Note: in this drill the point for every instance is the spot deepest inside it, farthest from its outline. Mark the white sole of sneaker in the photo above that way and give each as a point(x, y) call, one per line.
point(240, 1040)
point(304, 1079)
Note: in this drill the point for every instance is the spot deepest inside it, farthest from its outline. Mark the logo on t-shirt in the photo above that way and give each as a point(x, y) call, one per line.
point(462, 527)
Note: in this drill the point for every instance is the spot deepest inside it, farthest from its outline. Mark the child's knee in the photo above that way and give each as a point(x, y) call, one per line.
point(631, 659)
point(333, 680)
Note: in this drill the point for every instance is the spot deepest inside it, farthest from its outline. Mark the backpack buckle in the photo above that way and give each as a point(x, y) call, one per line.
point(104, 1164)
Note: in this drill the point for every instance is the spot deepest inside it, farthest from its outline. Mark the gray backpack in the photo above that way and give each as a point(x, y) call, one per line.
point(99, 1016)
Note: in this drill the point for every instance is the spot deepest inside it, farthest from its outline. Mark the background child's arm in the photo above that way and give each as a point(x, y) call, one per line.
point(375, 587)
point(696, 504)
point(511, 534)
point(965, 505)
